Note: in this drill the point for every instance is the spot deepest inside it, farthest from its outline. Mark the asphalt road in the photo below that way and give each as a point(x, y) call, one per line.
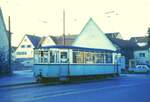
point(130, 88)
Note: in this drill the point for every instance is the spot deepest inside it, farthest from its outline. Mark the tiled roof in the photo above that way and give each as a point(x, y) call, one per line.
point(69, 39)
point(146, 47)
point(124, 43)
point(139, 39)
point(34, 39)
point(112, 35)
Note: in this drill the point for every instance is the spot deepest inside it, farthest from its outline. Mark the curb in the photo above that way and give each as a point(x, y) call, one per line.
point(17, 84)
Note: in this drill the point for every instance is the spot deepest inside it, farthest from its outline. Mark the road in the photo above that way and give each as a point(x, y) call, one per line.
point(130, 88)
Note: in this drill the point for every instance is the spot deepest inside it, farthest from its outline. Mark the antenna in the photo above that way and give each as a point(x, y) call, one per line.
point(64, 28)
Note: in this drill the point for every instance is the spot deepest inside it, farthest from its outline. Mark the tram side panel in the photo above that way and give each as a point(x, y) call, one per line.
point(64, 70)
point(87, 69)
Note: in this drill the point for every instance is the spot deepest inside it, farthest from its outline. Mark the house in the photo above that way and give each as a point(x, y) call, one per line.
point(126, 48)
point(142, 54)
point(141, 41)
point(92, 36)
point(25, 51)
point(4, 47)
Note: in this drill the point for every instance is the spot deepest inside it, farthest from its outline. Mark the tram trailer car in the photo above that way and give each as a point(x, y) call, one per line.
point(62, 62)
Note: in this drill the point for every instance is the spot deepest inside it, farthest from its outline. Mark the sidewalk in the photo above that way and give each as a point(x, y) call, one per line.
point(18, 78)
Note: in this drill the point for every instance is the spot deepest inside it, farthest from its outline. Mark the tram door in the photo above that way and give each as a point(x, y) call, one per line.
point(64, 68)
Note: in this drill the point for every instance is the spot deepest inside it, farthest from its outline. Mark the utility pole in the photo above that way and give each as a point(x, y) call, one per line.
point(9, 42)
point(64, 39)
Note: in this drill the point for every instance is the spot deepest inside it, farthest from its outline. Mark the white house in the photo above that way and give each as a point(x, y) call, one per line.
point(93, 37)
point(4, 46)
point(142, 54)
point(25, 51)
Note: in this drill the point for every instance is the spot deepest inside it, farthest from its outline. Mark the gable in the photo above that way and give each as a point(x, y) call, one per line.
point(92, 37)
point(25, 41)
point(47, 41)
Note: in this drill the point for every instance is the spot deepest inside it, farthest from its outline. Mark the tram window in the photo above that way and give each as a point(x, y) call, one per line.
point(43, 57)
point(52, 57)
point(99, 58)
point(78, 57)
point(89, 57)
point(108, 58)
point(63, 57)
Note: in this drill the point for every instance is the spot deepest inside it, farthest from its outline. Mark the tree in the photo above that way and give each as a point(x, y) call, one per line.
point(148, 37)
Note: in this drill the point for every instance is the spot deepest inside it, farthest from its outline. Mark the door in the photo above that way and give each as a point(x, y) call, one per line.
point(64, 68)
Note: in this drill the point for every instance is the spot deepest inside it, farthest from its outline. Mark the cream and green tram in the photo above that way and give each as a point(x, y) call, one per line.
point(63, 62)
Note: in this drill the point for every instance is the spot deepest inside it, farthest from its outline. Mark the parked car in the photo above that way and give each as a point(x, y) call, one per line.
point(140, 69)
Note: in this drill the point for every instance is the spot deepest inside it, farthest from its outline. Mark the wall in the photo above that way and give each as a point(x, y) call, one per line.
point(142, 60)
point(29, 51)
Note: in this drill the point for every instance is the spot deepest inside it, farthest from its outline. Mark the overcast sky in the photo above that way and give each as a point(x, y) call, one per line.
point(44, 17)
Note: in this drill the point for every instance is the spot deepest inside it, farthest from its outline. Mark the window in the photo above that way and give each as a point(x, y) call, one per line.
point(142, 54)
point(28, 46)
point(52, 57)
point(63, 57)
point(21, 53)
point(108, 57)
point(99, 58)
point(22, 46)
point(78, 57)
point(89, 57)
point(43, 56)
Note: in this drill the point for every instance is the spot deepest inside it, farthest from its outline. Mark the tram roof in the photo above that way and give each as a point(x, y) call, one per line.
point(75, 48)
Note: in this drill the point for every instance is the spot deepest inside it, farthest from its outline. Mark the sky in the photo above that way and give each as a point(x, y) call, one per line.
point(45, 17)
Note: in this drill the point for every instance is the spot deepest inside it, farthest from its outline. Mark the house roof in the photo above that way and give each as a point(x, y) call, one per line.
point(146, 47)
point(124, 43)
point(112, 35)
point(69, 39)
point(139, 39)
point(34, 39)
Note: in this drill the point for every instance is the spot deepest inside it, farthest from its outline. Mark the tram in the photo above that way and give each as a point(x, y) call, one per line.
point(63, 62)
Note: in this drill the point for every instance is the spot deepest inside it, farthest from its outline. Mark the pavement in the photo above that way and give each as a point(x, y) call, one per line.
point(18, 78)
point(26, 77)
